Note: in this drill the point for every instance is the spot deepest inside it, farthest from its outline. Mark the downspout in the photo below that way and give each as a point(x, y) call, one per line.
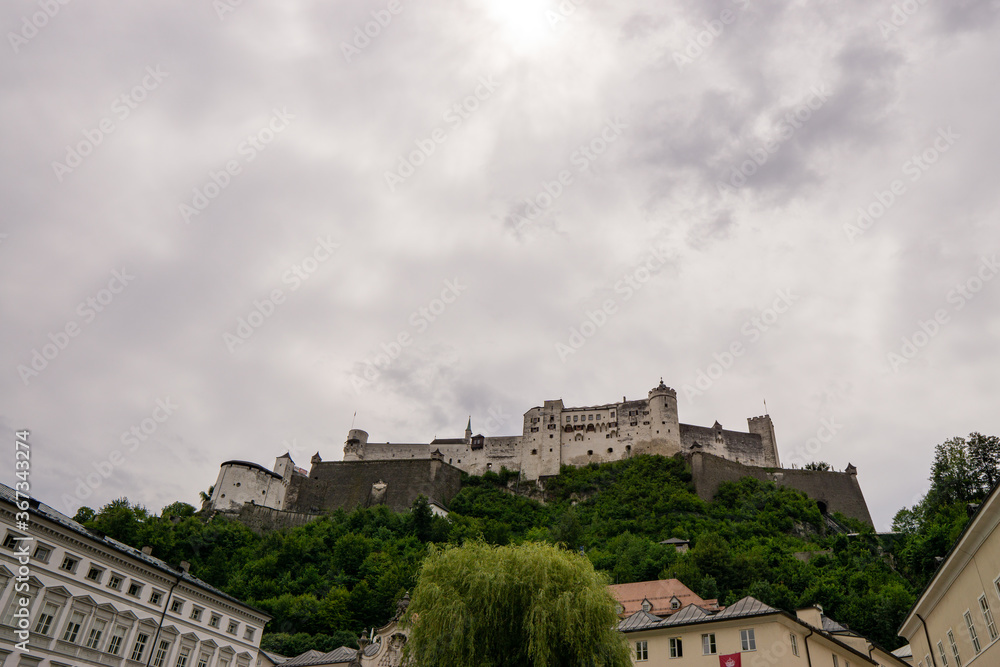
point(166, 605)
point(806, 642)
point(930, 646)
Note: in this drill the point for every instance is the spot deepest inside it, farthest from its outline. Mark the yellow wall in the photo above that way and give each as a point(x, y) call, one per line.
point(772, 639)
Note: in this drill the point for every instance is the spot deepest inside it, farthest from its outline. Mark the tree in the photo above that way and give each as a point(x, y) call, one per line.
point(530, 605)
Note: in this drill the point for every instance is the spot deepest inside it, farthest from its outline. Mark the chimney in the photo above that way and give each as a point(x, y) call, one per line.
point(148, 551)
point(185, 566)
point(811, 615)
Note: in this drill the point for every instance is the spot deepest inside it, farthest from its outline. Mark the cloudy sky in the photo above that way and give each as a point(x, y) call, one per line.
point(230, 226)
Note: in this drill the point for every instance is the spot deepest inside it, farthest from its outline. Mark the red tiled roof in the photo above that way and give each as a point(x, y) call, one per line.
point(659, 593)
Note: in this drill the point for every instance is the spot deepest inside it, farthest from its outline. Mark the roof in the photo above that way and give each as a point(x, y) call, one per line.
point(659, 593)
point(342, 655)
point(692, 613)
point(255, 466)
point(903, 652)
point(49, 513)
point(639, 620)
point(448, 441)
point(675, 540)
point(748, 606)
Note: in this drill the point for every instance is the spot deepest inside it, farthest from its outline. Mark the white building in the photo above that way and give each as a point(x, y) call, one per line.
point(90, 600)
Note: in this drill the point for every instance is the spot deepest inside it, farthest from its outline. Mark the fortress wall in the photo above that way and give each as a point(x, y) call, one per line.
point(348, 484)
point(240, 483)
point(390, 451)
point(838, 491)
point(746, 448)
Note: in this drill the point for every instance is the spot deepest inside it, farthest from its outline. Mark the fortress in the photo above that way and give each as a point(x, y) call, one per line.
point(552, 436)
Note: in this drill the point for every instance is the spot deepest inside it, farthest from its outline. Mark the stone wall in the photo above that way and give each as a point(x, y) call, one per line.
point(350, 484)
point(833, 491)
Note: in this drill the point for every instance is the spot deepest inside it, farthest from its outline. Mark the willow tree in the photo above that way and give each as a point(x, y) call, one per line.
point(533, 605)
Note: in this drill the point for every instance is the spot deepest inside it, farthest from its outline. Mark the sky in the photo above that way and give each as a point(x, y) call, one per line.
point(234, 229)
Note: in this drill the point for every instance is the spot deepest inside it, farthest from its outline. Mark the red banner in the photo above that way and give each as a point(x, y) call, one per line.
point(731, 660)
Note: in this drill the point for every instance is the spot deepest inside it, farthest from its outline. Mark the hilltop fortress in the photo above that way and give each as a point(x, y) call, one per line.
point(552, 435)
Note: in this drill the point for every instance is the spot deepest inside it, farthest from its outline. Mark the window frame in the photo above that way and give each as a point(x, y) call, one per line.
point(954, 648)
point(71, 631)
point(970, 624)
point(139, 646)
point(641, 650)
point(748, 640)
point(75, 560)
point(708, 645)
point(984, 609)
point(233, 627)
point(794, 641)
point(100, 574)
point(676, 647)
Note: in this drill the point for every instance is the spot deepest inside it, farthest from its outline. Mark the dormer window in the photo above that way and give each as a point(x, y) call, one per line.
point(675, 603)
point(647, 606)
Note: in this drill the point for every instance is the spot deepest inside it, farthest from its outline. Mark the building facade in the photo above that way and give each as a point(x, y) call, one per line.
point(748, 634)
point(80, 598)
point(952, 623)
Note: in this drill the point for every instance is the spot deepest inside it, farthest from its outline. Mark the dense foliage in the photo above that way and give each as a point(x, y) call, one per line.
point(511, 606)
point(328, 580)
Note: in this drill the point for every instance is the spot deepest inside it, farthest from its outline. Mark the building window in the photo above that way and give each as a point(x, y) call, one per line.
point(747, 640)
point(954, 649)
point(708, 644)
point(647, 606)
point(676, 648)
point(233, 627)
point(944, 656)
point(248, 635)
point(73, 627)
point(795, 644)
point(44, 623)
point(203, 660)
point(155, 597)
point(972, 632)
point(10, 541)
point(42, 553)
point(224, 662)
point(140, 646)
point(177, 606)
point(196, 613)
point(134, 589)
point(836, 663)
point(590, 417)
point(988, 617)
point(927, 659)
point(96, 631)
point(641, 651)
point(95, 574)
point(116, 640)
point(69, 564)
point(214, 621)
point(160, 659)
point(182, 658)
point(115, 582)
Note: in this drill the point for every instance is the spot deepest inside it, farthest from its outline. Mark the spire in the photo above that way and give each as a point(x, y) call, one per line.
point(468, 430)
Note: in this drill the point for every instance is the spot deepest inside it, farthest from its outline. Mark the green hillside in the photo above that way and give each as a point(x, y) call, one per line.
point(326, 581)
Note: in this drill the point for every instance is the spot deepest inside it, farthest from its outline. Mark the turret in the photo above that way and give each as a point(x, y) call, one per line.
point(468, 431)
point(354, 448)
point(664, 424)
point(283, 466)
point(763, 427)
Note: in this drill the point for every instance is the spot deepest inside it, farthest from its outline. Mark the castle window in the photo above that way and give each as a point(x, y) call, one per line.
point(550, 435)
point(237, 484)
point(598, 417)
point(590, 417)
point(611, 450)
point(535, 451)
point(567, 419)
point(590, 452)
point(576, 417)
point(489, 466)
